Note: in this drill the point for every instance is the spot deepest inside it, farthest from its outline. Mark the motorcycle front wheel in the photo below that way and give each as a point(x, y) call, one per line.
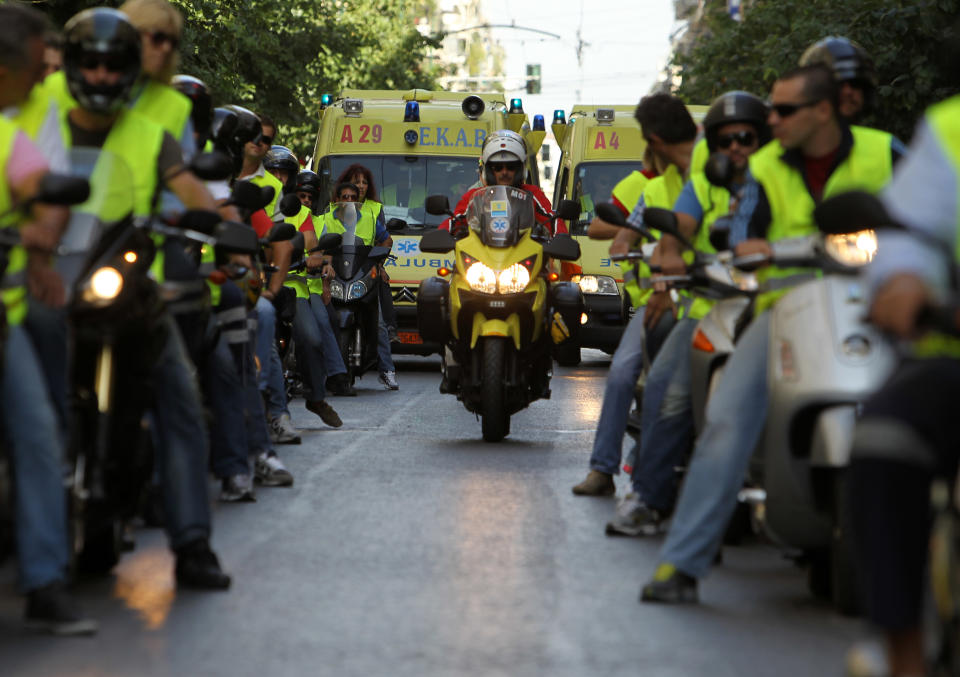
point(495, 419)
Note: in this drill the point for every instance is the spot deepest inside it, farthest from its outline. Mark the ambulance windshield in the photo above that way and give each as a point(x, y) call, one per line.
point(593, 183)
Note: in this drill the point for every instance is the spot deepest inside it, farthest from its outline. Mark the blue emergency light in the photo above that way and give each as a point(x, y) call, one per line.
point(326, 100)
point(559, 118)
point(538, 125)
point(516, 106)
point(411, 113)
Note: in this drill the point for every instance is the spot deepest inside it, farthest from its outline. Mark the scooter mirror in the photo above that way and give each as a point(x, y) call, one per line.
point(213, 166)
point(568, 210)
point(62, 189)
point(562, 247)
point(438, 205)
point(719, 170)
point(282, 232)
point(249, 196)
point(290, 205)
point(852, 212)
point(329, 242)
point(396, 225)
point(720, 238)
point(236, 238)
point(611, 214)
point(437, 242)
point(200, 220)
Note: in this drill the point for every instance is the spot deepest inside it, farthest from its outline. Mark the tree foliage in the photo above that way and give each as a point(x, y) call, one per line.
point(279, 58)
point(912, 42)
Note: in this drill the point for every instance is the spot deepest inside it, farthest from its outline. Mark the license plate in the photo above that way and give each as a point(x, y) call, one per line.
point(409, 337)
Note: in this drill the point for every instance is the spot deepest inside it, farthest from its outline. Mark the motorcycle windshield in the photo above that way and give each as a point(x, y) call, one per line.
point(110, 201)
point(348, 214)
point(500, 214)
point(352, 249)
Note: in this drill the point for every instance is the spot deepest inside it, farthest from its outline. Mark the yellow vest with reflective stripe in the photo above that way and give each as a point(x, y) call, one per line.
point(14, 298)
point(715, 202)
point(700, 156)
point(868, 167)
point(366, 230)
point(55, 86)
point(298, 282)
point(628, 192)
point(33, 111)
point(269, 179)
point(164, 105)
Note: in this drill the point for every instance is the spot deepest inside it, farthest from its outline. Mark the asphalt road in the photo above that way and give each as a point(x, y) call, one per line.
point(409, 547)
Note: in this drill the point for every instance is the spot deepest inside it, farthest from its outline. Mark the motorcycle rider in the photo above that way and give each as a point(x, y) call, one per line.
point(671, 133)
point(814, 156)
point(735, 126)
point(906, 434)
point(854, 70)
point(102, 63)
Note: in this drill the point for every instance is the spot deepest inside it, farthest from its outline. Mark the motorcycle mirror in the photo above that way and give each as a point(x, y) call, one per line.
point(282, 232)
point(236, 238)
point(200, 220)
point(561, 247)
point(719, 170)
point(665, 221)
point(851, 212)
point(720, 237)
point(248, 196)
point(396, 225)
point(611, 214)
point(329, 242)
point(290, 205)
point(568, 210)
point(266, 197)
point(438, 205)
point(437, 241)
point(213, 166)
point(63, 190)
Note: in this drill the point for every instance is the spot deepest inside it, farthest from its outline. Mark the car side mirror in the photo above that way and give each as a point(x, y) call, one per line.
point(438, 205)
point(562, 247)
point(437, 242)
point(213, 166)
point(62, 189)
point(568, 210)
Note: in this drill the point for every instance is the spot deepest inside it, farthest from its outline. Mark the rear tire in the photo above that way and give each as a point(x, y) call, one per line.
point(568, 355)
point(495, 420)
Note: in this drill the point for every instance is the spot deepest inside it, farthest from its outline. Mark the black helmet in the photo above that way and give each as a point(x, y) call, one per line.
point(101, 35)
point(736, 106)
point(202, 113)
point(847, 60)
point(281, 157)
point(309, 182)
point(223, 134)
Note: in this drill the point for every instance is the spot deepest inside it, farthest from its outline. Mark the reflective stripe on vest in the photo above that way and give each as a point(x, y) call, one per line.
point(868, 167)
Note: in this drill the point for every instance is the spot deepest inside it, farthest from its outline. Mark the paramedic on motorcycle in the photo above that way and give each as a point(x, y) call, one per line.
point(814, 155)
point(906, 434)
point(735, 126)
point(671, 132)
point(101, 62)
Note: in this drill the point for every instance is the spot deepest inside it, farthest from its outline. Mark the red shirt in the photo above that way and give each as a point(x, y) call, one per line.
point(261, 222)
point(818, 171)
point(538, 195)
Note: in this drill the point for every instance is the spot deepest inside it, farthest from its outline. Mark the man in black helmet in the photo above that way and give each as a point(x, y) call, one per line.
point(101, 63)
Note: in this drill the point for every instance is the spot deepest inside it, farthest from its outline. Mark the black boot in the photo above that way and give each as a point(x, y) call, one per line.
point(198, 567)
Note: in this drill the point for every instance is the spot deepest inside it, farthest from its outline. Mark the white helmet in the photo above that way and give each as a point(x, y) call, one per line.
point(503, 145)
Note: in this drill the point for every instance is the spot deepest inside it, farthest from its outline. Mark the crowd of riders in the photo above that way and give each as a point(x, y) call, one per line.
point(219, 370)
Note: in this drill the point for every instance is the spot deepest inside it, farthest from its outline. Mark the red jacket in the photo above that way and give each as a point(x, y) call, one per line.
point(538, 195)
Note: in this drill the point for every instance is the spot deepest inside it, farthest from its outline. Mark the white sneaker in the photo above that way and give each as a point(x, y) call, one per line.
point(270, 471)
point(282, 430)
point(389, 380)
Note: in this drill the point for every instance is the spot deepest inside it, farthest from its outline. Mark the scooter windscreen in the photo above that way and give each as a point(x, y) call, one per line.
point(499, 214)
point(348, 214)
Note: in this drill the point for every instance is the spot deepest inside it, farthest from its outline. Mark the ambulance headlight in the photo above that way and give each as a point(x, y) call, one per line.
point(852, 249)
point(482, 278)
point(596, 284)
point(514, 279)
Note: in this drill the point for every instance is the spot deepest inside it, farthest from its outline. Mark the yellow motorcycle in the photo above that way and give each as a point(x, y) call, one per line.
point(502, 312)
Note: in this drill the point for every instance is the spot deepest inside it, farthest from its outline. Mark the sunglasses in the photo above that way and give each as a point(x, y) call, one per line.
point(349, 197)
point(785, 110)
point(500, 166)
point(115, 63)
point(744, 138)
point(157, 38)
point(264, 140)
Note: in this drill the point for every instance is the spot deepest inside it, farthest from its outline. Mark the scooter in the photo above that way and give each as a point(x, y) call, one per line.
point(502, 310)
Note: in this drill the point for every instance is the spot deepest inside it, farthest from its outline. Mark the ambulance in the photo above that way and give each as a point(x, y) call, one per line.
point(599, 145)
point(416, 143)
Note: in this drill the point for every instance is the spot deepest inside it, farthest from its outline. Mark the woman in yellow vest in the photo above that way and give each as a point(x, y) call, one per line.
point(371, 209)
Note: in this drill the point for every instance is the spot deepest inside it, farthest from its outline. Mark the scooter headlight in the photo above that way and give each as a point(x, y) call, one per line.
point(852, 249)
point(336, 290)
point(105, 285)
point(357, 290)
point(596, 284)
point(514, 279)
point(482, 278)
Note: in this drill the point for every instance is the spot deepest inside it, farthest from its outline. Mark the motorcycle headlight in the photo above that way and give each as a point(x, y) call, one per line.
point(105, 285)
point(482, 278)
point(852, 249)
point(514, 279)
point(357, 290)
point(337, 290)
point(596, 284)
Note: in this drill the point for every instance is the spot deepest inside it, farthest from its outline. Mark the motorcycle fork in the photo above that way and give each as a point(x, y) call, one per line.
point(103, 384)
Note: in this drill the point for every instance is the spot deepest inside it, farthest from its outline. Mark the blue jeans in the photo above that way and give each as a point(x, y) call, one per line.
point(666, 423)
point(224, 386)
point(617, 397)
point(736, 415)
point(36, 450)
point(318, 355)
point(384, 356)
point(271, 371)
point(181, 441)
point(48, 332)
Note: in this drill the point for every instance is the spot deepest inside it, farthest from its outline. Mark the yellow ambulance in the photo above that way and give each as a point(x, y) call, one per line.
point(599, 146)
point(415, 143)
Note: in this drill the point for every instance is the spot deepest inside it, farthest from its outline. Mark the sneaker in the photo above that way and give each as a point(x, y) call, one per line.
point(340, 385)
point(671, 586)
point(50, 609)
point(634, 518)
point(237, 488)
point(597, 484)
point(392, 335)
point(325, 412)
point(282, 430)
point(270, 471)
point(198, 567)
point(867, 658)
point(389, 380)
